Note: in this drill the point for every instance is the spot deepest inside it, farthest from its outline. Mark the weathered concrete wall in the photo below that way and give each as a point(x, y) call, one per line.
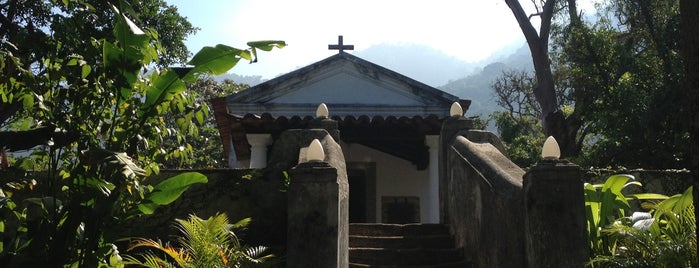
point(484, 204)
point(240, 193)
point(318, 203)
point(555, 222)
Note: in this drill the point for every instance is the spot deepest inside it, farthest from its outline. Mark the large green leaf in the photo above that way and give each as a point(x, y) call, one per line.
point(677, 203)
point(646, 196)
point(616, 183)
point(164, 87)
point(169, 190)
point(116, 161)
point(214, 60)
point(267, 45)
point(111, 54)
point(128, 168)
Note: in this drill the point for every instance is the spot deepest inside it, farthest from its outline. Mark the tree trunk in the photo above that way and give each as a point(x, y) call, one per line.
point(554, 121)
point(544, 90)
point(690, 37)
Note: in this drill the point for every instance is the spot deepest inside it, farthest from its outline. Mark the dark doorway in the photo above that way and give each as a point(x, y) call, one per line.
point(357, 195)
point(361, 177)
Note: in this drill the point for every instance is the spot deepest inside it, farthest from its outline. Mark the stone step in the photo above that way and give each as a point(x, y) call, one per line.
point(381, 229)
point(461, 264)
point(403, 245)
point(442, 241)
point(404, 257)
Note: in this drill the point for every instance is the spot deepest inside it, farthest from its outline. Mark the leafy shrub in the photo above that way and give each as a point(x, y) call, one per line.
point(665, 237)
point(203, 243)
point(605, 203)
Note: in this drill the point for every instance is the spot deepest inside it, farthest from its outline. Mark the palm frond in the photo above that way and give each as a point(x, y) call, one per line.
point(149, 260)
point(204, 243)
point(180, 256)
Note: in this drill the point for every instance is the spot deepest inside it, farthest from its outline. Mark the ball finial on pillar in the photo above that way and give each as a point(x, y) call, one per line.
point(456, 110)
point(315, 152)
point(322, 111)
point(551, 151)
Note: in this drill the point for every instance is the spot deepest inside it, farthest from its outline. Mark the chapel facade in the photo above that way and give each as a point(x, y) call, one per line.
point(389, 127)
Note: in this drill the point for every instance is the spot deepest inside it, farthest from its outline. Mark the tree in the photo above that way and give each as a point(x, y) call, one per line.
point(171, 27)
point(204, 135)
point(518, 125)
point(614, 75)
point(626, 75)
point(101, 116)
point(555, 123)
point(30, 30)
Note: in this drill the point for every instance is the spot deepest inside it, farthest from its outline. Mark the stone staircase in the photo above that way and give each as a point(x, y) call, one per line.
point(402, 245)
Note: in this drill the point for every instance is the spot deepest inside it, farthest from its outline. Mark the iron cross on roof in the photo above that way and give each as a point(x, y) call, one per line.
point(340, 46)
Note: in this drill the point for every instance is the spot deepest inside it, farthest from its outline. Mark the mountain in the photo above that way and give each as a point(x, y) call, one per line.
point(419, 62)
point(250, 80)
point(476, 86)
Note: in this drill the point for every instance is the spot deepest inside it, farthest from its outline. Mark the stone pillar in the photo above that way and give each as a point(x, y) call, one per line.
point(555, 223)
point(450, 128)
point(329, 125)
point(317, 227)
point(433, 185)
point(258, 149)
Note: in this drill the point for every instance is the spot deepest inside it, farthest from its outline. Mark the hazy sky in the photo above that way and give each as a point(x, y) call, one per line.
point(467, 29)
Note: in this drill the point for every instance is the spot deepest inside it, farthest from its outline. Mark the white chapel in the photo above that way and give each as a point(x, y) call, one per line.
point(389, 128)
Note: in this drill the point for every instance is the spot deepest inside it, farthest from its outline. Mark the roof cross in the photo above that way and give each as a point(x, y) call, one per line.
point(340, 46)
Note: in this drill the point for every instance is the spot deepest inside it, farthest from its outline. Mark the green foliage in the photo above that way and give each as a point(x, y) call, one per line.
point(523, 138)
point(625, 72)
point(479, 122)
point(604, 203)
point(519, 124)
point(169, 190)
point(203, 243)
point(104, 115)
point(665, 237)
point(618, 83)
point(206, 139)
point(171, 27)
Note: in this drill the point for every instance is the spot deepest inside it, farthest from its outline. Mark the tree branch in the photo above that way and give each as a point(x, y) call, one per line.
point(523, 20)
point(534, 14)
point(24, 140)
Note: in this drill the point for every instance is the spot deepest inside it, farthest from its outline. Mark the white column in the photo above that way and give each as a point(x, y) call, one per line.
point(258, 149)
point(432, 141)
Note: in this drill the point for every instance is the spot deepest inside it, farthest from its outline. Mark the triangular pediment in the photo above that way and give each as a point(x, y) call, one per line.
point(349, 86)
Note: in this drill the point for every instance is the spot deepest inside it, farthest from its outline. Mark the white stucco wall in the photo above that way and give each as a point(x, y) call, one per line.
point(394, 176)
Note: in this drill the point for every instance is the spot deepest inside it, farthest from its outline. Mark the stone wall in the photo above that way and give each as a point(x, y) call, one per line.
point(240, 193)
point(484, 204)
point(502, 217)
